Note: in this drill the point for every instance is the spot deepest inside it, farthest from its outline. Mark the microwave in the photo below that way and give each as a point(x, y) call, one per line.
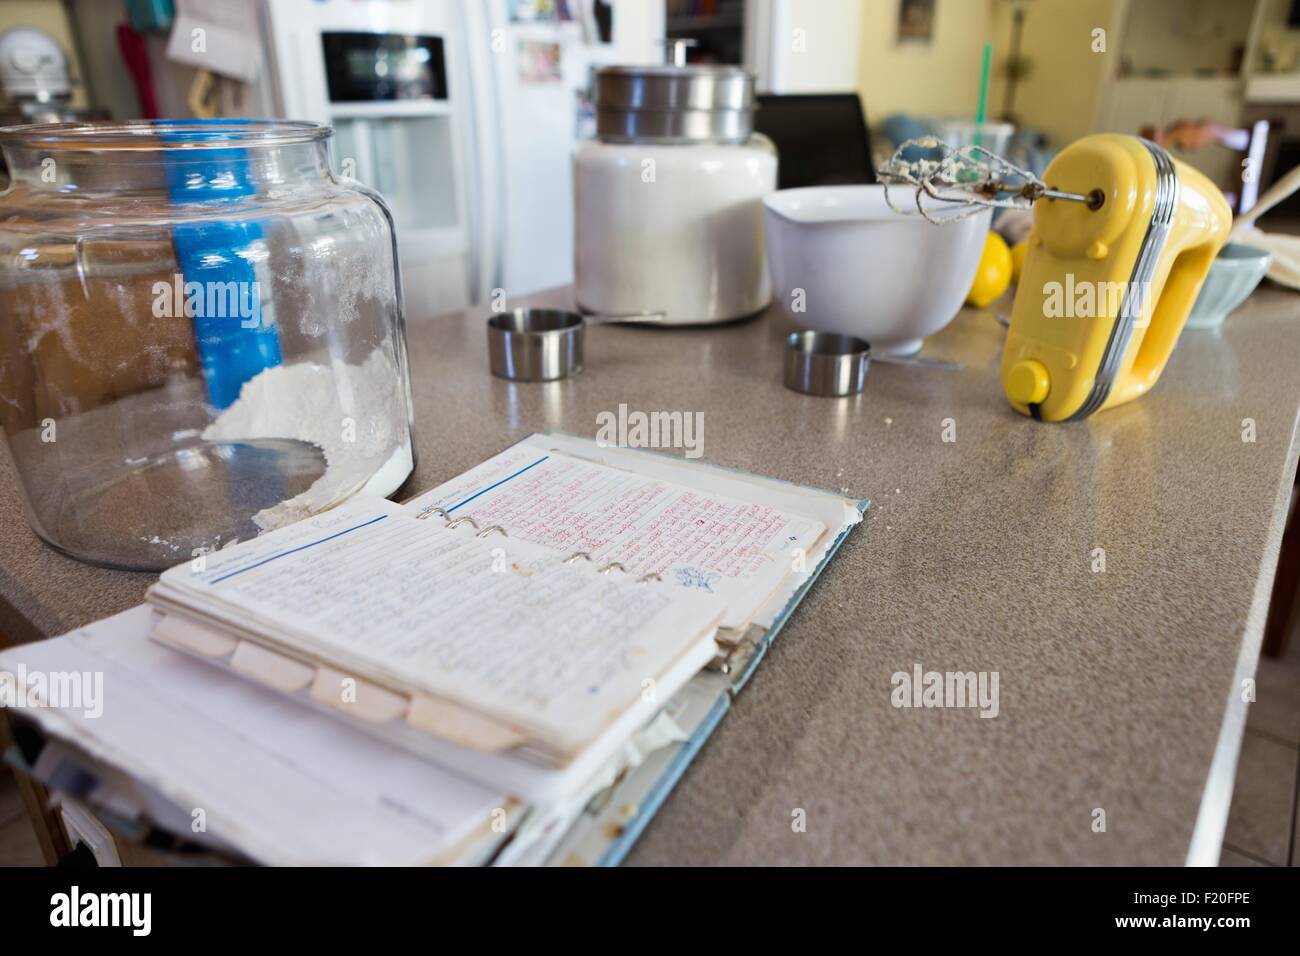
point(378, 67)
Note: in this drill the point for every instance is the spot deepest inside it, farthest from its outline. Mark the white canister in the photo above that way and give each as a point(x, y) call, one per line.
point(669, 211)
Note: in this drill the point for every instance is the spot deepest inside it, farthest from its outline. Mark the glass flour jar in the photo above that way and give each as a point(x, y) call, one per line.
point(201, 335)
point(668, 199)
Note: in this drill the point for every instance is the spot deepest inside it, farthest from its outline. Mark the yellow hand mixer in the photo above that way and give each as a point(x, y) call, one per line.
point(1122, 239)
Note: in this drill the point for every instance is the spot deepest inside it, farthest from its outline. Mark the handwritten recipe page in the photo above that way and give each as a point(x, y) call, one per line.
point(698, 540)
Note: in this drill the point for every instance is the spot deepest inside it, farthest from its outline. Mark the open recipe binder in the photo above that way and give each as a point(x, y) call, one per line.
point(551, 635)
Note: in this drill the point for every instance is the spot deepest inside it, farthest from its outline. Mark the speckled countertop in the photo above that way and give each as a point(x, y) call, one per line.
point(977, 555)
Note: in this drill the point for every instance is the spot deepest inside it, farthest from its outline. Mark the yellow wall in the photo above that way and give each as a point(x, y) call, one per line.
point(1065, 87)
point(1061, 95)
point(940, 79)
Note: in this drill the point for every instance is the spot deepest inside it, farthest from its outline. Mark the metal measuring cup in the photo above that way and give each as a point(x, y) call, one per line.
point(542, 345)
point(822, 363)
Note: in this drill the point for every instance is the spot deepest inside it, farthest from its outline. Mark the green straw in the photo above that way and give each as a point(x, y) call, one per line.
point(984, 91)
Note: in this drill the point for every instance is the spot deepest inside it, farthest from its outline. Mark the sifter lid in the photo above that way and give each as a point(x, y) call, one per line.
point(674, 103)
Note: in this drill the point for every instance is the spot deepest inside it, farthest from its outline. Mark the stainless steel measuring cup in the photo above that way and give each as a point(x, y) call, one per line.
point(821, 363)
point(535, 345)
point(542, 345)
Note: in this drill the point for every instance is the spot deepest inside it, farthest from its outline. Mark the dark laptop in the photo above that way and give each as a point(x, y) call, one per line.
point(821, 138)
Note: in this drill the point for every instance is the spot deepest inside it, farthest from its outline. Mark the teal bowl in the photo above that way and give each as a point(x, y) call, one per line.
point(1232, 277)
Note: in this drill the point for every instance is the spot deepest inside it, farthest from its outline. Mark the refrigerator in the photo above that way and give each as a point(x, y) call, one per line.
point(463, 115)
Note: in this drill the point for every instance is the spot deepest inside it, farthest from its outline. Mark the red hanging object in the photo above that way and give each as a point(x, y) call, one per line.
point(131, 43)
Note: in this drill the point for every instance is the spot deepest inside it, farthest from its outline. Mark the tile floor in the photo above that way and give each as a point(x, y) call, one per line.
point(1263, 827)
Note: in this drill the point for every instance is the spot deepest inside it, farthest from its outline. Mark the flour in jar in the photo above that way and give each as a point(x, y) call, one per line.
point(355, 414)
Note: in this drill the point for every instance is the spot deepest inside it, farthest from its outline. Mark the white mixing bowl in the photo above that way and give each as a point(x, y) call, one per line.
point(856, 267)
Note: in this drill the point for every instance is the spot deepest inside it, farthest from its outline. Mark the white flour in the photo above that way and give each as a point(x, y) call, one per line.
point(355, 414)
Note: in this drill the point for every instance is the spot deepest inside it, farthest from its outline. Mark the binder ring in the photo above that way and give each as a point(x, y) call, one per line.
point(457, 522)
point(576, 555)
point(646, 578)
point(431, 510)
point(489, 529)
point(612, 566)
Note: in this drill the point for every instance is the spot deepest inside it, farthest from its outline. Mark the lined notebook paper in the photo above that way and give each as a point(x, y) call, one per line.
point(695, 538)
point(520, 621)
point(280, 782)
point(497, 626)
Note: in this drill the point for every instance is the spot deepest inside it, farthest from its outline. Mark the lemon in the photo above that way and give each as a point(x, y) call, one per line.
point(994, 272)
point(1018, 259)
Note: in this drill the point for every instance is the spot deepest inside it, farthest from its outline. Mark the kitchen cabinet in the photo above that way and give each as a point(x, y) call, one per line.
point(1137, 101)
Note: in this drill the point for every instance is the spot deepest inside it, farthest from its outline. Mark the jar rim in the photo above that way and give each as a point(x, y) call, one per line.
point(223, 133)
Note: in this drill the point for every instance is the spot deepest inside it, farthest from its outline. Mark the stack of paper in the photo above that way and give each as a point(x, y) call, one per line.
point(449, 681)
